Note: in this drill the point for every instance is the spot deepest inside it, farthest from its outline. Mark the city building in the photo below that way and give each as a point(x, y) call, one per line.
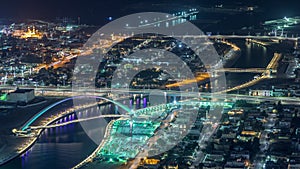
point(21, 95)
point(261, 93)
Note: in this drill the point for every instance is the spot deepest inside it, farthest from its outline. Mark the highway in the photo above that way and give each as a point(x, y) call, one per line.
point(189, 94)
point(198, 78)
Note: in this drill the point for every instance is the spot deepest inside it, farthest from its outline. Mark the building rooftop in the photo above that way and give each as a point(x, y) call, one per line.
point(22, 90)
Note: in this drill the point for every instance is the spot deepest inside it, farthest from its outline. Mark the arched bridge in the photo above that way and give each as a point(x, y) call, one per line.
point(35, 117)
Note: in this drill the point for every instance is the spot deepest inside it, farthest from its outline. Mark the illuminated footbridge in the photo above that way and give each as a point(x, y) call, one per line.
point(240, 70)
point(79, 120)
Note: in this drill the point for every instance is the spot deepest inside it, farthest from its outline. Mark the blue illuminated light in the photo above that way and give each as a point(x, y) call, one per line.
point(67, 99)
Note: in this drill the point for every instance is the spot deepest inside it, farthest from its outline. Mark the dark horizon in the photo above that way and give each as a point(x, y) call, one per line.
point(97, 12)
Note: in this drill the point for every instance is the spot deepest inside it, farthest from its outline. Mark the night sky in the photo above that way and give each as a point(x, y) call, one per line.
point(96, 11)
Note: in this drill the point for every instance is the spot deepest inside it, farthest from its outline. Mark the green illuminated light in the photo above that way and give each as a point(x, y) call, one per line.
point(142, 131)
point(3, 97)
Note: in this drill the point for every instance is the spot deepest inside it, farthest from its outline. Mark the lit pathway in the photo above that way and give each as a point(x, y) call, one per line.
point(76, 121)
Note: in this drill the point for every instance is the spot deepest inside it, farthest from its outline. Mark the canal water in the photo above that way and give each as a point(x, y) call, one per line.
point(252, 56)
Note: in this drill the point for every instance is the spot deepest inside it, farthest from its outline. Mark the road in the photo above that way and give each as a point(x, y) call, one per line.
point(189, 94)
